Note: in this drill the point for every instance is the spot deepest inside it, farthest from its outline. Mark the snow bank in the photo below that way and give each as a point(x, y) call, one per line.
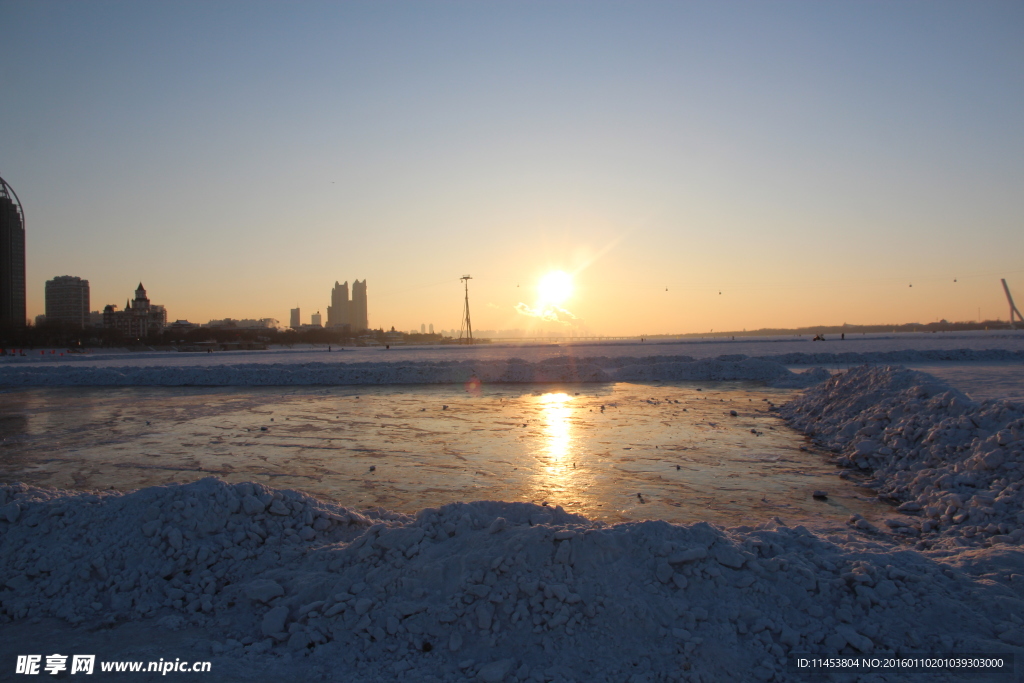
point(514, 370)
point(484, 591)
point(902, 356)
point(723, 368)
point(954, 464)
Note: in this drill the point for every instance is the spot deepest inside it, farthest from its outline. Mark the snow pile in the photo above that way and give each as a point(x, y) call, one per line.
point(953, 463)
point(484, 591)
point(514, 370)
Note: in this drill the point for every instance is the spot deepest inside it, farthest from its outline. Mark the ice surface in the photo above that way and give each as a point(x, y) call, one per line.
point(589, 448)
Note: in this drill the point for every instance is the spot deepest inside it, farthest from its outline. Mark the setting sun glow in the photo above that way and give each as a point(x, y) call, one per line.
point(555, 287)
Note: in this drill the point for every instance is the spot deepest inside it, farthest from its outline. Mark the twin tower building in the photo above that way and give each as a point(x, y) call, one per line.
point(345, 312)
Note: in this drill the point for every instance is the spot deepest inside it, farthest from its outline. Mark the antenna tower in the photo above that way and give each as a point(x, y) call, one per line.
point(466, 333)
point(1013, 306)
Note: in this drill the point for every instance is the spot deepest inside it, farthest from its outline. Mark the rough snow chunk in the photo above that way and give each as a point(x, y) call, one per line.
point(273, 621)
point(484, 615)
point(479, 590)
point(862, 643)
point(564, 553)
point(263, 590)
point(311, 607)
point(299, 641)
point(253, 505)
point(174, 538)
point(688, 555)
point(495, 672)
point(279, 508)
point(497, 525)
point(866, 447)
point(728, 556)
point(10, 512)
point(993, 460)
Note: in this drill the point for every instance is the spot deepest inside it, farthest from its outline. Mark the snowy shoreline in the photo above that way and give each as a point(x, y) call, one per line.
point(495, 591)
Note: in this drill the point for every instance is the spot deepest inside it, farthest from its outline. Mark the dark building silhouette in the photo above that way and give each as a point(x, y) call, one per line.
point(67, 301)
point(360, 321)
point(12, 259)
point(139, 319)
point(348, 313)
point(339, 313)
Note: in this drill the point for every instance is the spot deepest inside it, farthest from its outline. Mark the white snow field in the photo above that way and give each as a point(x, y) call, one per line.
point(990, 345)
point(272, 584)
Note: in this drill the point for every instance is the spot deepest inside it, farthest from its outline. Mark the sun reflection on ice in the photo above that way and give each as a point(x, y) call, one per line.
point(558, 436)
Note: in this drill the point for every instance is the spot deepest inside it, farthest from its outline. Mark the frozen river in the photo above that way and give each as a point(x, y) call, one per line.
point(609, 451)
point(657, 450)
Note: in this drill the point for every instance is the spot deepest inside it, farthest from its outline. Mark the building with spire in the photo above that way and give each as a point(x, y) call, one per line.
point(139, 319)
point(12, 259)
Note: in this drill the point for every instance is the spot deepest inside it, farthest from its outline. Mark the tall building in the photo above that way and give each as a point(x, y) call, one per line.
point(12, 259)
point(296, 319)
point(139, 319)
point(67, 301)
point(340, 310)
point(359, 319)
point(348, 313)
point(316, 320)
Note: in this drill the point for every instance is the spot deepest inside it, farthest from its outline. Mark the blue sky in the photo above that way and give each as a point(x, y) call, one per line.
point(808, 160)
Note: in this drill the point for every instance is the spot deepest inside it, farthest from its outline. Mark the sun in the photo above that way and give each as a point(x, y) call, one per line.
point(555, 287)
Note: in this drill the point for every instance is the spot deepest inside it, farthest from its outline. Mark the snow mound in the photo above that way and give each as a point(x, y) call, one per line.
point(514, 370)
point(955, 465)
point(485, 591)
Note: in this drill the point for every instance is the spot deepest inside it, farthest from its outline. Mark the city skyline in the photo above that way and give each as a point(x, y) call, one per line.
point(691, 166)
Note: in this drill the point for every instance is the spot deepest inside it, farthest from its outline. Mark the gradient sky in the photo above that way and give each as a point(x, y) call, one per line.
point(807, 160)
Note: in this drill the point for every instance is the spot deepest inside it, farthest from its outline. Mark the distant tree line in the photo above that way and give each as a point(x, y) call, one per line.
point(63, 335)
